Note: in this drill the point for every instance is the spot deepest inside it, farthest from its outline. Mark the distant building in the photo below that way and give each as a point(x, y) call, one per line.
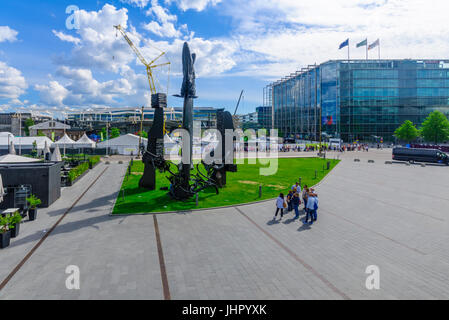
point(49, 128)
point(128, 119)
point(14, 122)
point(358, 99)
point(264, 117)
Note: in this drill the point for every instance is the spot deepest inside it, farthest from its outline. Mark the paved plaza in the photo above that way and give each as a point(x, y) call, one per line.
point(393, 216)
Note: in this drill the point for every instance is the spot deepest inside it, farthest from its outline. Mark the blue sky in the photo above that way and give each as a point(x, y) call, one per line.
point(46, 67)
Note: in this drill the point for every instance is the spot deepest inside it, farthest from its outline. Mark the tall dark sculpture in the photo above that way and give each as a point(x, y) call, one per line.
point(184, 183)
point(188, 93)
point(153, 157)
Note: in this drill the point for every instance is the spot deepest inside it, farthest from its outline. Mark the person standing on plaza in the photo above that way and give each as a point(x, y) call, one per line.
point(305, 195)
point(296, 202)
point(289, 201)
point(310, 208)
point(315, 205)
point(296, 188)
point(280, 203)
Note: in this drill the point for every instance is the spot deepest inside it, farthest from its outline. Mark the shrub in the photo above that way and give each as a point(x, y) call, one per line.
point(33, 201)
point(94, 160)
point(78, 171)
point(4, 224)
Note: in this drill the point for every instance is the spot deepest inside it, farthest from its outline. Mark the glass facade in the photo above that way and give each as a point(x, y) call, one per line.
point(359, 99)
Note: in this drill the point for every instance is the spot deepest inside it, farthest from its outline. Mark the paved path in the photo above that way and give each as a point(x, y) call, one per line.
point(393, 216)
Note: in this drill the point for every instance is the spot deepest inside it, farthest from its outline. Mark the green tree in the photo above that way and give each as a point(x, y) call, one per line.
point(114, 133)
point(28, 123)
point(143, 134)
point(407, 132)
point(435, 128)
point(40, 133)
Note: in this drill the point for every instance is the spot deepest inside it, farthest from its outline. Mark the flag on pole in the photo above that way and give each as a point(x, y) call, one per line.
point(374, 44)
point(361, 44)
point(344, 44)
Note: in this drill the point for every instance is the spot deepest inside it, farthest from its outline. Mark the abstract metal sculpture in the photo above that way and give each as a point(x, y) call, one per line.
point(153, 157)
point(184, 183)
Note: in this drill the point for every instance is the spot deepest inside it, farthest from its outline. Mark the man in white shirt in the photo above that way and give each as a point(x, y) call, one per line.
point(312, 204)
point(296, 188)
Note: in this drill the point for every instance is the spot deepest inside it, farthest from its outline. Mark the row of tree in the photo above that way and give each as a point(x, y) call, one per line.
point(435, 129)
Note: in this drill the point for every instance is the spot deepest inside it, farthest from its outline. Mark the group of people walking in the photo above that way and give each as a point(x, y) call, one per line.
point(292, 201)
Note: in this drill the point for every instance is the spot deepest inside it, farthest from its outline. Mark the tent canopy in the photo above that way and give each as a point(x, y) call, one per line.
point(85, 142)
point(65, 141)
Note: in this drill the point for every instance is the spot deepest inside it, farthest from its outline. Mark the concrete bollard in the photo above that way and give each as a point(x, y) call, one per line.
point(356, 160)
point(370, 161)
point(328, 165)
point(123, 195)
point(196, 199)
point(260, 191)
point(300, 181)
point(388, 162)
point(315, 174)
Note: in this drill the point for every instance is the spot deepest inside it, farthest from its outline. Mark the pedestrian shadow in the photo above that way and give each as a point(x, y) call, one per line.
point(304, 227)
point(290, 220)
point(273, 222)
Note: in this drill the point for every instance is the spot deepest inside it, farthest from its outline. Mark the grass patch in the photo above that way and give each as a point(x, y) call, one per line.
point(242, 187)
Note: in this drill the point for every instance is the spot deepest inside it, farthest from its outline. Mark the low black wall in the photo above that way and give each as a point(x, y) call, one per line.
point(44, 178)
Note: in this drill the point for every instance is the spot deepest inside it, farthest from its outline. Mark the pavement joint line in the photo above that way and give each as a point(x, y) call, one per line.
point(160, 253)
point(47, 234)
point(297, 258)
point(375, 232)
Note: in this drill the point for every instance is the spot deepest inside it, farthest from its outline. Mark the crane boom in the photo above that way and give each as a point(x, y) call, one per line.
point(149, 66)
point(238, 102)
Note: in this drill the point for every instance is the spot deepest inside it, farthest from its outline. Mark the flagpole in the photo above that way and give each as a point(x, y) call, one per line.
point(366, 47)
point(348, 50)
point(379, 49)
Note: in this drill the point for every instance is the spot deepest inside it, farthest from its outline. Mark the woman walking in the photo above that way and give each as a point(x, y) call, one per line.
point(280, 203)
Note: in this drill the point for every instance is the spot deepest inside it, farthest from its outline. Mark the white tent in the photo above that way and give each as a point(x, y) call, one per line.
point(85, 142)
point(56, 156)
point(66, 142)
point(12, 158)
point(126, 144)
point(23, 142)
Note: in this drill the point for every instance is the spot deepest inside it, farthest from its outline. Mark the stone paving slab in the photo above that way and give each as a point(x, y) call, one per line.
point(117, 257)
point(392, 216)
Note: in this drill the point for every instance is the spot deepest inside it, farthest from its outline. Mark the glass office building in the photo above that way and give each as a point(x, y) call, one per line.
point(363, 100)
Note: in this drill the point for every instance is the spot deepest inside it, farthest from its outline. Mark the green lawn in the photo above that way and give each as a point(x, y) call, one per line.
point(242, 187)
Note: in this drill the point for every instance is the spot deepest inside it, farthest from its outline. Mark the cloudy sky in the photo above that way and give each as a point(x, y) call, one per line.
point(48, 66)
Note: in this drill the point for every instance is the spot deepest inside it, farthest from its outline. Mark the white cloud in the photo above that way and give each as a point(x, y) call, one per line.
point(137, 3)
point(277, 37)
point(65, 37)
point(8, 34)
point(52, 94)
point(165, 27)
point(198, 5)
point(12, 83)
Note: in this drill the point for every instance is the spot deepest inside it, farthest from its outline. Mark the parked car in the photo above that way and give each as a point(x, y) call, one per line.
point(420, 155)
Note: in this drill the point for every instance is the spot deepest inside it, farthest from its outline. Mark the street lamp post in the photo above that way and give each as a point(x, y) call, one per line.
point(140, 134)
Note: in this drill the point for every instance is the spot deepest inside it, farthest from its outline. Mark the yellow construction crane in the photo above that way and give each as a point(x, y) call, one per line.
point(150, 66)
